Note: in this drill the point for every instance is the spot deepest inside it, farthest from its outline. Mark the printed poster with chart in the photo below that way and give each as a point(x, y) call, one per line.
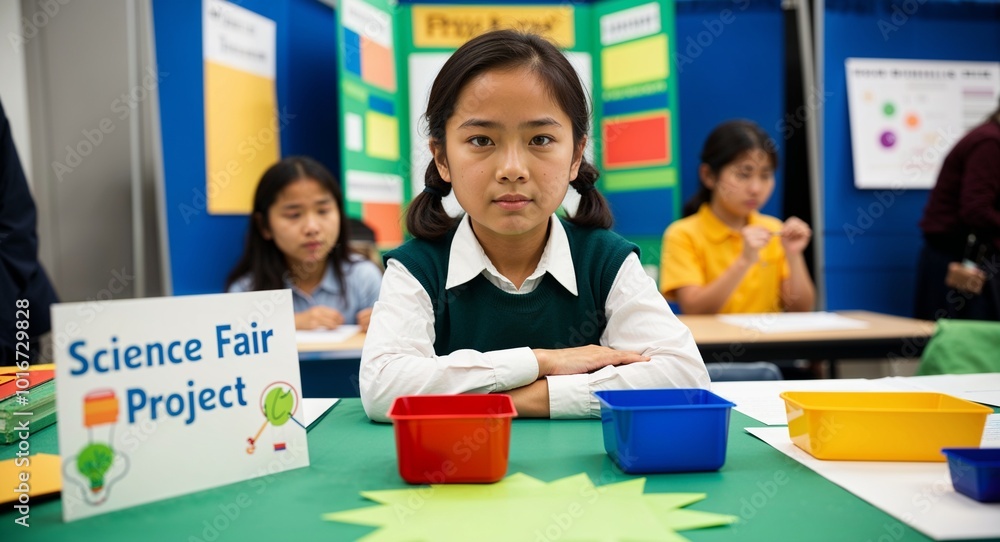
point(167, 396)
point(431, 33)
point(906, 115)
point(241, 112)
point(635, 115)
point(371, 109)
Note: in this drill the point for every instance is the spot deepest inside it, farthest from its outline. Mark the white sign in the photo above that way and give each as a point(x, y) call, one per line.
point(239, 38)
point(162, 397)
point(630, 24)
point(367, 21)
point(371, 187)
point(907, 114)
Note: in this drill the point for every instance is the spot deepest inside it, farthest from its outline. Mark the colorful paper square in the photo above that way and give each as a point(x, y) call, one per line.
point(636, 142)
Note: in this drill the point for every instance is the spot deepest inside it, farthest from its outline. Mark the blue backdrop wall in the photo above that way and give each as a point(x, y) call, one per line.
point(203, 247)
point(874, 270)
point(730, 66)
point(730, 61)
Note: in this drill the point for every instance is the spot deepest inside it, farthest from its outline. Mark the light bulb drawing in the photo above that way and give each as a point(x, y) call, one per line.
point(278, 403)
point(97, 467)
point(93, 462)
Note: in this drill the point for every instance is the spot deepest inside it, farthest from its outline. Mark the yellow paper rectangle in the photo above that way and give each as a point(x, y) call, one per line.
point(381, 136)
point(241, 136)
point(451, 26)
point(10, 369)
point(635, 62)
point(42, 471)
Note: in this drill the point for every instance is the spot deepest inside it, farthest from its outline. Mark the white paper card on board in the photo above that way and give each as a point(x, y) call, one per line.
point(168, 396)
point(354, 132)
point(239, 38)
point(629, 24)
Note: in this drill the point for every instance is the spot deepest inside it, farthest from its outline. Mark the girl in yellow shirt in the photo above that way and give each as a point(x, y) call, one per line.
point(724, 256)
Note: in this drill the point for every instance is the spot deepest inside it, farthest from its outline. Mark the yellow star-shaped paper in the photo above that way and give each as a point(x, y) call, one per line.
point(520, 507)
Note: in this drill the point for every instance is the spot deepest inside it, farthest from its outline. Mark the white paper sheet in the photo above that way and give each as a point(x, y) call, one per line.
point(991, 433)
point(785, 322)
point(981, 388)
point(918, 494)
point(312, 409)
point(760, 400)
point(341, 334)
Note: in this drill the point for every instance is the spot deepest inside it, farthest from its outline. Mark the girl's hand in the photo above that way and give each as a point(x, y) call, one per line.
point(318, 317)
point(364, 318)
point(754, 239)
point(795, 235)
point(584, 359)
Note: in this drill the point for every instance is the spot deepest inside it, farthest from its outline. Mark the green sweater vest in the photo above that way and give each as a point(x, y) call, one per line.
point(479, 316)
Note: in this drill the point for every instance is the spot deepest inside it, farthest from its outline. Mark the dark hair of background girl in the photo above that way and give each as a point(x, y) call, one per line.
point(504, 49)
point(727, 142)
point(262, 259)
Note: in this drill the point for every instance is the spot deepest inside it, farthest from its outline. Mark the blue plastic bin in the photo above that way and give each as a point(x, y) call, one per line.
point(668, 430)
point(975, 472)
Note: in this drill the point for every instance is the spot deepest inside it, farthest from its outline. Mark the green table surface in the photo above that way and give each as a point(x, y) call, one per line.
point(775, 497)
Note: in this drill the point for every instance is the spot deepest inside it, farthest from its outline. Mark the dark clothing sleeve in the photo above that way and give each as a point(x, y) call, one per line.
point(981, 187)
point(21, 275)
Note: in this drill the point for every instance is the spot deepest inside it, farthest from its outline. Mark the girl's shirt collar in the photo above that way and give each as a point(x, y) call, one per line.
point(716, 229)
point(327, 284)
point(468, 260)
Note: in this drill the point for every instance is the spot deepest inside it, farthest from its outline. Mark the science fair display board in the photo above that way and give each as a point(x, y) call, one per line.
point(392, 53)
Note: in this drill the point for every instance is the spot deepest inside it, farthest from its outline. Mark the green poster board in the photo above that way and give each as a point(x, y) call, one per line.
point(372, 116)
point(620, 48)
point(636, 117)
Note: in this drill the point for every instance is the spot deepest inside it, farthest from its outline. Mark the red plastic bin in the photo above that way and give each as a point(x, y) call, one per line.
point(442, 439)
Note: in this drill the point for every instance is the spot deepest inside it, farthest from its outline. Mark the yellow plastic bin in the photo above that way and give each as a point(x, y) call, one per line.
point(882, 426)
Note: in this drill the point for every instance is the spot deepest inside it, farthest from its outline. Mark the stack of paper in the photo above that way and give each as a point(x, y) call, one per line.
point(313, 410)
point(31, 400)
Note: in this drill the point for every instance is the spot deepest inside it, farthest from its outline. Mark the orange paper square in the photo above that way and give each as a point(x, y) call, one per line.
point(377, 65)
point(385, 219)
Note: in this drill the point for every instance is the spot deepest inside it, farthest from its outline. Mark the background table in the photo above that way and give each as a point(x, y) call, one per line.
point(885, 336)
point(775, 497)
point(331, 369)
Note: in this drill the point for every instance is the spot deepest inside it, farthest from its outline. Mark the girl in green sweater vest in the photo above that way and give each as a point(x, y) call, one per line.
point(508, 297)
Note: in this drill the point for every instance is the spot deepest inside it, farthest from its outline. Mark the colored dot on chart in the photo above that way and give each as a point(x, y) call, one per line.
point(888, 109)
point(912, 121)
point(888, 139)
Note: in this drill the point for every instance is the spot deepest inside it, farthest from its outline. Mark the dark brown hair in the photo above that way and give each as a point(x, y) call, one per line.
point(262, 260)
point(504, 49)
point(727, 142)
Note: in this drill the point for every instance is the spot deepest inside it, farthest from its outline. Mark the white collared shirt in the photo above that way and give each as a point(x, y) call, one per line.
point(399, 358)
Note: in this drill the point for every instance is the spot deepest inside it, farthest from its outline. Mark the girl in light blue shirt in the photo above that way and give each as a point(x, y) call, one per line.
point(297, 239)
